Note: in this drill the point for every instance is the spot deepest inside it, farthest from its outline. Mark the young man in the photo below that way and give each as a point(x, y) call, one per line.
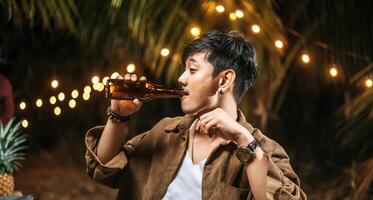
point(211, 152)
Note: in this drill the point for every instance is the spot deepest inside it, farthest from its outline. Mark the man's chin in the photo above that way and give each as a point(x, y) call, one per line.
point(194, 111)
point(188, 110)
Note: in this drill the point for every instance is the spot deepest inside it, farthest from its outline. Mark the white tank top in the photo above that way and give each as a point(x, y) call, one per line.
point(188, 181)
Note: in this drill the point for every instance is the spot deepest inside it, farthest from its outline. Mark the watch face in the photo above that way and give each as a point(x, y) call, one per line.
point(244, 154)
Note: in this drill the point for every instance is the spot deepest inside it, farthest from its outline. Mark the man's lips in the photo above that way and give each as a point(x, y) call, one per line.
point(186, 93)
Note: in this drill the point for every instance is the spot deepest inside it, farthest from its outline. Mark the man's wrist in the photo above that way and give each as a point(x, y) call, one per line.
point(244, 138)
point(116, 117)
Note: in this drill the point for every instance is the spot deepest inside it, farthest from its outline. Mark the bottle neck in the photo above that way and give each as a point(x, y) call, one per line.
point(161, 92)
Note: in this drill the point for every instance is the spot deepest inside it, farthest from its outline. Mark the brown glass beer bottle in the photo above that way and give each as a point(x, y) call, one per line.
point(143, 90)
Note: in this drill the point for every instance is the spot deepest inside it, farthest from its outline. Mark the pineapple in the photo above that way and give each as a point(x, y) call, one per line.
point(12, 142)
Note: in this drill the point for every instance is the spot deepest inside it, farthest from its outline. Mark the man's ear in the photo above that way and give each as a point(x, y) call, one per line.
point(226, 81)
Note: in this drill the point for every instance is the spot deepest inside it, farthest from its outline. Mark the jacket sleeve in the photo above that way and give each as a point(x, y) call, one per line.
point(282, 182)
point(107, 174)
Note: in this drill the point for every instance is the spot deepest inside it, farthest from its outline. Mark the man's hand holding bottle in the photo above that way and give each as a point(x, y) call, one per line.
point(127, 107)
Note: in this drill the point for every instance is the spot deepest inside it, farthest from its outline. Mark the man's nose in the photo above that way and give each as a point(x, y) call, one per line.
point(182, 79)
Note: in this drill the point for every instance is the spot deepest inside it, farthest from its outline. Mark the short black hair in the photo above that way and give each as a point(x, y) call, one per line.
point(227, 50)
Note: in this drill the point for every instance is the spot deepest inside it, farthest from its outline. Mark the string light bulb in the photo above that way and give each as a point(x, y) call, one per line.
point(54, 84)
point(101, 87)
point(305, 58)
point(39, 103)
point(195, 31)
point(239, 13)
point(57, 110)
point(114, 75)
point(131, 68)
point(104, 80)
point(87, 89)
point(96, 86)
point(74, 94)
point(333, 71)
point(61, 96)
point(165, 52)
point(95, 79)
point(279, 44)
point(232, 16)
point(255, 28)
point(86, 96)
point(22, 105)
point(368, 82)
point(220, 8)
point(72, 103)
point(24, 123)
point(52, 100)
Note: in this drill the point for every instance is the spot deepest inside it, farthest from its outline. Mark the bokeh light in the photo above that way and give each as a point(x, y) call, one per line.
point(195, 31)
point(57, 110)
point(39, 103)
point(279, 44)
point(368, 82)
point(239, 13)
point(255, 28)
point(305, 58)
point(22, 105)
point(114, 75)
point(61, 96)
point(74, 94)
point(333, 71)
point(104, 80)
point(165, 52)
point(52, 100)
point(24, 123)
point(95, 79)
point(131, 68)
point(220, 9)
point(87, 89)
point(86, 96)
point(232, 16)
point(54, 84)
point(72, 103)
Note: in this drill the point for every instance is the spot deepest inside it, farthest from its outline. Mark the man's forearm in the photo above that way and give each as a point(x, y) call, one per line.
point(111, 140)
point(257, 169)
point(257, 174)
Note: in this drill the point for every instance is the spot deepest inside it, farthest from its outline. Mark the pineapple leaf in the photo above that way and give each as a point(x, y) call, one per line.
point(19, 141)
point(13, 159)
point(8, 126)
point(15, 142)
point(12, 142)
point(12, 151)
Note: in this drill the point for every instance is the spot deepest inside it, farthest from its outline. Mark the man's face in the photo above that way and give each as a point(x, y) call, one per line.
point(201, 86)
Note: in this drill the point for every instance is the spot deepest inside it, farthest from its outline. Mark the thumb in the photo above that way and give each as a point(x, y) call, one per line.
point(137, 102)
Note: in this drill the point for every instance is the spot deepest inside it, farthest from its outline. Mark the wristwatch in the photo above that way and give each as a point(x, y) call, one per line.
point(246, 153)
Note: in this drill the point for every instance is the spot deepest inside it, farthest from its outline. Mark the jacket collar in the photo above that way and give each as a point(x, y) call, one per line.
point(180, 124)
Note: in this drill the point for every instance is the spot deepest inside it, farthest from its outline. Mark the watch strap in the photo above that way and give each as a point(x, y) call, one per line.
point(253, 145)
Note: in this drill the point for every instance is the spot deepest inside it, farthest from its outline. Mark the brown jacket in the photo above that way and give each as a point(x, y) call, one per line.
point(149, 162)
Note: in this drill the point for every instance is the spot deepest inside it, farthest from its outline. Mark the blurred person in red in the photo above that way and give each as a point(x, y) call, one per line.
point(6, 100)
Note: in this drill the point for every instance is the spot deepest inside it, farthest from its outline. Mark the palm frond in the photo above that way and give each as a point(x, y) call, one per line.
point(356, 124)
point(62, 13)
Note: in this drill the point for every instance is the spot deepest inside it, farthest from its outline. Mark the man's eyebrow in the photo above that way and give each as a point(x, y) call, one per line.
point(191, 59)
